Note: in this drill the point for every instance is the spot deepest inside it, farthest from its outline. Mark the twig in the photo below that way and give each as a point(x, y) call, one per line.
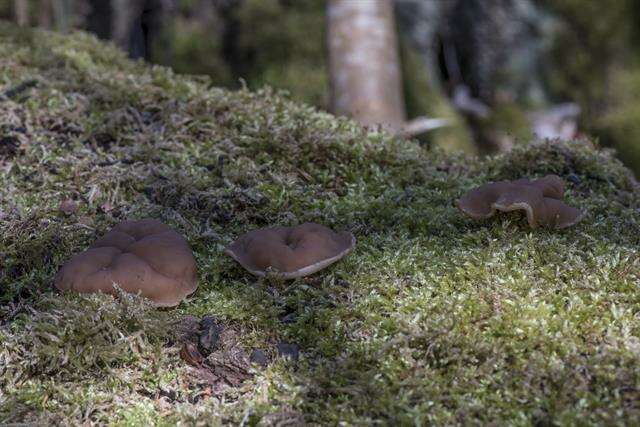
point(421, 125)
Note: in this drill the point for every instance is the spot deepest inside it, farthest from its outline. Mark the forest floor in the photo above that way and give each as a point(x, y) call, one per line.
point(432, 319)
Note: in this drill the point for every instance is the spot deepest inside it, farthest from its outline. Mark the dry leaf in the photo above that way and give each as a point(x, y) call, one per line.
point(190, 354)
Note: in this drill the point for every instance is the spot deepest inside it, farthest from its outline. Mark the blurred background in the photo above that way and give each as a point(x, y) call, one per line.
point(472, 75)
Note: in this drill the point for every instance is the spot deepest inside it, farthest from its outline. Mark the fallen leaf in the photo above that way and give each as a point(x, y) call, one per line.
point(190, 354)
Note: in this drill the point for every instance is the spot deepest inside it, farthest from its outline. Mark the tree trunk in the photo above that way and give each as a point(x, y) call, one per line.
point(99, 18)
point(499, 46)
point(45, 14)
point(421, 22)
point(138, 25)
point(63, 14)
point(21, 11)
point(125, 14)
point(364, 64)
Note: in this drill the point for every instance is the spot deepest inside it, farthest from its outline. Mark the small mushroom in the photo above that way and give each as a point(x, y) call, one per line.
point(291, 251)
point(541, 200)
point(139, 256)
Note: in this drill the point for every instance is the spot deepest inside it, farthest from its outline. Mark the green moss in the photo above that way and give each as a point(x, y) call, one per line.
point(433, 319)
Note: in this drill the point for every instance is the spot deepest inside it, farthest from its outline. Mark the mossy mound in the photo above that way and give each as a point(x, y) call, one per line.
point(433, 319)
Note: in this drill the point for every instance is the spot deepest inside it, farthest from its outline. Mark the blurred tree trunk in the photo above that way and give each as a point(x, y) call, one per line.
point(63, 14)
point(421, 23)
point(99, 18)
point(45, 11)
point(138, 25)
point(231, 29)
point(499, 45)
point(364, 64)
point(497, 49)
point(21, 12)
point(125, 14)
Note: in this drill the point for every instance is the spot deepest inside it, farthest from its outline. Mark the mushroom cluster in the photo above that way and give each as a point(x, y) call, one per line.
point(143, 256)
point(149, 258)
point(541, 200)
point(290, 251)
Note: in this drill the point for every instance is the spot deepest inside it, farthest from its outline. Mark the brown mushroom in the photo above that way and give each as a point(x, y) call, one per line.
point(290, 251)
point(550, 185)
point(139, 256)
point(540, 199)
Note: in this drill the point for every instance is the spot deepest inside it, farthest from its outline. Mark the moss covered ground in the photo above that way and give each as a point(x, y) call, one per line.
point(433, 319)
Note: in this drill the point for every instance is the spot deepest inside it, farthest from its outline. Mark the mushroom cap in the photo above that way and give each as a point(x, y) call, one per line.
point(559, 215)
point(540, 199)
point(521, 197)
point(292, 251)
point(550, 185)
point(478, 203)
point(143, 256)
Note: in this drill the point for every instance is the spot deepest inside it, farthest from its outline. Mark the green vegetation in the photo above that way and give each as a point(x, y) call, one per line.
point(276, 43)
point(432, 319)
point(596, 64)
point(282, 44)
